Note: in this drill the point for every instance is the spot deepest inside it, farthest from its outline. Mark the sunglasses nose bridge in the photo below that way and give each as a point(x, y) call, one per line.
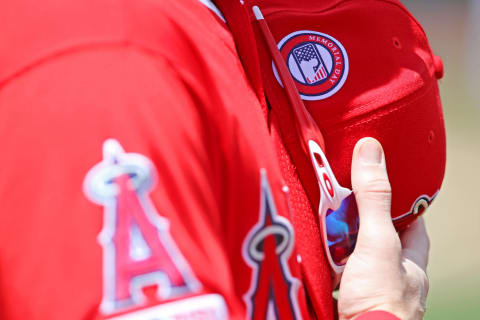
point(337, 210)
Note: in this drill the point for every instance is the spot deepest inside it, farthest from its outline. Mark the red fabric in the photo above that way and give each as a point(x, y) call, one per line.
point(162, 78)
point(377, 315)
point(52, 265)
point(316, 271)
point(390, 94)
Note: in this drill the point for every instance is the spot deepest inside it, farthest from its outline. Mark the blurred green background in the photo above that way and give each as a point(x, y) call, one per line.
point(453, 221)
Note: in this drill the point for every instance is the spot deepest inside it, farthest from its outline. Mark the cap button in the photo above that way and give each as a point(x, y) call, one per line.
point(437, 61)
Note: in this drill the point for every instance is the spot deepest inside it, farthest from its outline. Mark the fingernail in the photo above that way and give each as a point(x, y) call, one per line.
point(371, 152)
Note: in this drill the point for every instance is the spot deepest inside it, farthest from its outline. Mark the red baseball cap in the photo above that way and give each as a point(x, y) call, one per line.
point(363, 69)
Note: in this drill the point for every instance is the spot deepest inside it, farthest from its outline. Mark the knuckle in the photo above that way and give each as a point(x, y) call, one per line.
point(380, 185)
point(393, 242)
point(377, 189)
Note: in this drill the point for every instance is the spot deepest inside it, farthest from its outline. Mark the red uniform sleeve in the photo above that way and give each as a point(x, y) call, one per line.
point(166, 197)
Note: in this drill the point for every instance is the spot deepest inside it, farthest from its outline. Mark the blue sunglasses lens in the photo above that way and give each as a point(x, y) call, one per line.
point(342, 229)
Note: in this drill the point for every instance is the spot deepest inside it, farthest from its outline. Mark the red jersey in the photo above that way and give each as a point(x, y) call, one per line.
point(186, 199)
point(142, 177)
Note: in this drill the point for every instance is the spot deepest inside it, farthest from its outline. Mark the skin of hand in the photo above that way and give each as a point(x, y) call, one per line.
point(386, 271)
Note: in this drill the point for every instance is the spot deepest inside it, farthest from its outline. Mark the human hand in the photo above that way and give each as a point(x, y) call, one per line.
point(385, 272)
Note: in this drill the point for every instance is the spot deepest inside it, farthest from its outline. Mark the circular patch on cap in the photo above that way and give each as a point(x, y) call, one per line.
point(317, 62)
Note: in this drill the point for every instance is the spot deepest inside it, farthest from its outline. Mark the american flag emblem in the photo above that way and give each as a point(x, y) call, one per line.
point(310, 63)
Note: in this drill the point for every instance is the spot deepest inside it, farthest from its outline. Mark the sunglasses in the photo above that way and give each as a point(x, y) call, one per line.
point(337, 209)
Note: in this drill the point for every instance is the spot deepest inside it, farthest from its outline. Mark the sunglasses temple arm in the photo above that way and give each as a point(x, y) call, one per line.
point(306, 127)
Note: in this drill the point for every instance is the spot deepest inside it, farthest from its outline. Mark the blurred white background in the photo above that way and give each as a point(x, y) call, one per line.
point(453, 221)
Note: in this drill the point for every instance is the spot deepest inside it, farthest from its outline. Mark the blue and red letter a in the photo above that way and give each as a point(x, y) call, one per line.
point(138, 251)
point(266, 249)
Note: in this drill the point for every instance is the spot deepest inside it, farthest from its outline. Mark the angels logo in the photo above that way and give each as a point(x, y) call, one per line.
point(317, 62)
point(138, 251)
point(266, 249)
point(419, 206)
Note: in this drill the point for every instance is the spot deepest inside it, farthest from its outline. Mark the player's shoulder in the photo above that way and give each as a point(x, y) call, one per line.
point(36, 31)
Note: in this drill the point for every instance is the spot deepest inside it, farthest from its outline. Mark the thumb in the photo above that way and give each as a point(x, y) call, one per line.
point(373, 193)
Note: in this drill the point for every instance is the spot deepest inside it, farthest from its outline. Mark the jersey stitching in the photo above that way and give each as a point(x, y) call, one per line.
point(29, 66)
point(82, 47)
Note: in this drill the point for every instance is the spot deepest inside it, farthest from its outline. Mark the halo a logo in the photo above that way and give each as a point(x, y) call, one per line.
point(317, 62)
